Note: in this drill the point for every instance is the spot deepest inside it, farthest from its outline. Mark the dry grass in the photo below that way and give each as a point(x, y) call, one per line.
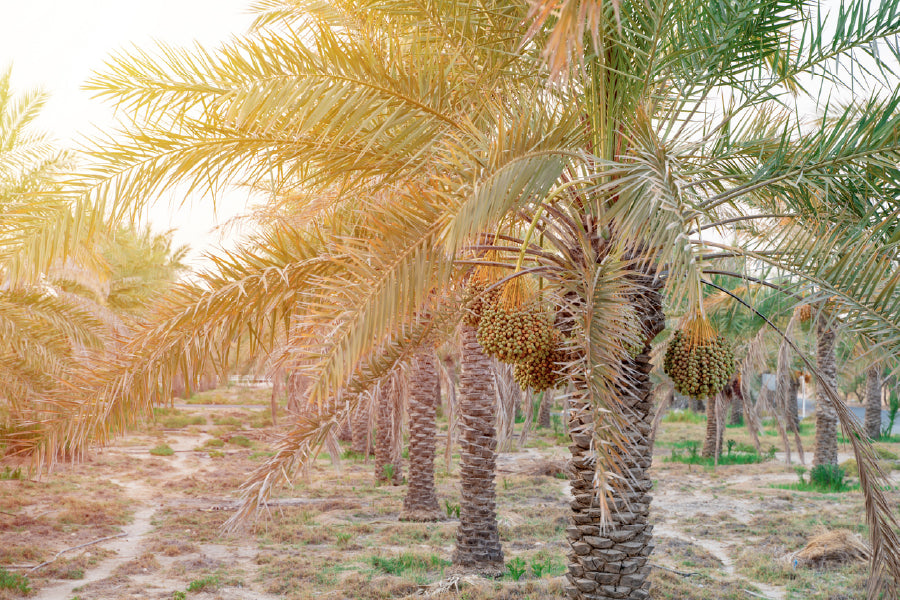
point(831, 548)
point(142, 565)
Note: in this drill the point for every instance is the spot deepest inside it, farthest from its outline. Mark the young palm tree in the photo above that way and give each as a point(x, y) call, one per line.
point(431, 121)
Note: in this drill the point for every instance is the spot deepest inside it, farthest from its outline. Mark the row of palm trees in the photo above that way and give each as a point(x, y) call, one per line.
point(588, 152)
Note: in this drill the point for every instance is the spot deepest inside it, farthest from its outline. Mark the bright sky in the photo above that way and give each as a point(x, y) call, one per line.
point(57, 44)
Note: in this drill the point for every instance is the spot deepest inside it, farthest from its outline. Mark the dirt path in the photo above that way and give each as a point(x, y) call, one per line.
point(126, 548)
point(721, 551)
point(148, 500)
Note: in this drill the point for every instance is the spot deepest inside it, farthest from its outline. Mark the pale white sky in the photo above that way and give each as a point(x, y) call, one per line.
point(57, 44)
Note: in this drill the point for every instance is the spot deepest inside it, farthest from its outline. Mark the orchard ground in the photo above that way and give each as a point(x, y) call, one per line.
point(158, 497)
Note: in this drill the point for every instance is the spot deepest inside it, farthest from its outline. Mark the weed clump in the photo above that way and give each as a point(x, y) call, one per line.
point(14, 581)
point(408, 561)
point(162, 450)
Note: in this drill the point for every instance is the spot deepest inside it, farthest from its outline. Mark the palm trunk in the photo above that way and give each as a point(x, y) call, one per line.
point(544, 410)
point(477, 538)
point(712, 445)
point(873, 402)
point(359, 429)
point(387, 463)
point(421, 502)
point(793, 415)
point(737, 402)
point(609, 560)
point(826, 417)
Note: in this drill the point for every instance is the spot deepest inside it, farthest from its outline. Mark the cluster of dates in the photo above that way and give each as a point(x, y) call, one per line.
point(699, 369)
point(521, 334)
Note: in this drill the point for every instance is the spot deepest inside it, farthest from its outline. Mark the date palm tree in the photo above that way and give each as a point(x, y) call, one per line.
point(436, 126)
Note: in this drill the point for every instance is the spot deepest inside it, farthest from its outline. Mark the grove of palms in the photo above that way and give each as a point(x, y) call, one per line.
point(585, 152)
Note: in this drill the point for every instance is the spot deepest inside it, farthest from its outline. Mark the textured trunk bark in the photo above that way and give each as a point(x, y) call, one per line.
point(609, 561)
point(477, 538)
point(793, 415)
point(544, 410)
point(712, 444)
point(361, 442)
point(826, 417)
point(737, 402)
point(873, 402)
point(421, 502)
point(387, 462)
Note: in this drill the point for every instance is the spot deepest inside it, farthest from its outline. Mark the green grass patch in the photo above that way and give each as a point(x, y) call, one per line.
point(8, 473)
point(260, 419)
point(882, 452)
point(825, 479)
point(683, 416)
point(687, 452)
point(239, 440)
point(209, 583)
point(172, 418)
point(408, 561)
point(680, 444)
point(162, 450)
point(807, 487)
point(227, 421)
point(771, 429)
point(14, 581)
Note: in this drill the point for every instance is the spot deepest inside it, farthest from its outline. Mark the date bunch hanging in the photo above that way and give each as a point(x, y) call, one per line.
point(700, 362)
point(514, 328)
